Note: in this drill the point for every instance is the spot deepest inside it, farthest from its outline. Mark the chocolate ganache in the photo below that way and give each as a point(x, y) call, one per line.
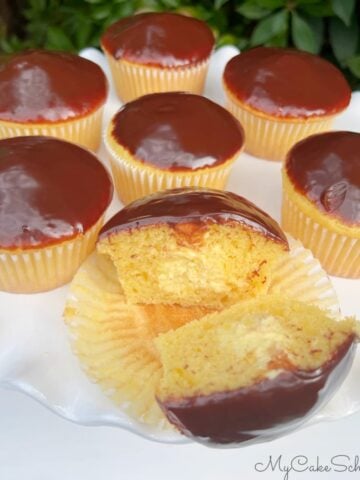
point(193, 205)
point(264, 410)
point(177, 131)
point(326, 169)
point(39, 86)
point(159, 39)
point(286, 83)
point(50, 191)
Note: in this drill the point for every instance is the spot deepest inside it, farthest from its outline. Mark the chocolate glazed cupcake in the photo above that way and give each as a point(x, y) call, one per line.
point(157, 52)
point(281, 96)
point(53, 198)
point(321, 199)
point(52, 93)
point(170, 140)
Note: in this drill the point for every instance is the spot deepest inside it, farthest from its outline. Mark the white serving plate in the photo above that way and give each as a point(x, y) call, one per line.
point(35, 353)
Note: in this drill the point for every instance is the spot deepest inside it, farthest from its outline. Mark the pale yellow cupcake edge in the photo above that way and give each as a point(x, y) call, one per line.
point(84, 131)
point(41, 269)
point(272, 138)
point(134, 180)
point(134, 80)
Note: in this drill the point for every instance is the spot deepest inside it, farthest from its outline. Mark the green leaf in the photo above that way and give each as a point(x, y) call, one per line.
point(354, 65)
point(308, 2)
point(271, 4)
point(93, 1)
point(101, 12)
point(278, 41)
point(219, 3)
point(343, 9)
point(83, 35)
point(124, 10)
point(170, 3)
point(38, 5)
point(57, 39)
point(270, 27)
point(253, 11)
point(302, 35)
point(227, 39)
point(318, 28)
point(343, 40)
point(322, 9)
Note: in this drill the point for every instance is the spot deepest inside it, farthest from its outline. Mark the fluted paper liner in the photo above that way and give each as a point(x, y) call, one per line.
point(133, 80)
point(339, 254)
point(42, 269)
point(114, 340)
point(85, 131)
point(271, 138)
point(134, 179)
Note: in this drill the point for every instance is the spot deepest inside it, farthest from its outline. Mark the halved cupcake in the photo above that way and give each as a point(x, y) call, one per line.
point(53, 94)
point(170, 140)
point(281, 96)
point(252, 372)
point(53, 198)
point(157, 52)
point(192, 247)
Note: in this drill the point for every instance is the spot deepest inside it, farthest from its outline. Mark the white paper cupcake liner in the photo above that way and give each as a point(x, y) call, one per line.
point(134, 181)
point(85, 131)
point(339, 254)
point(114, 340)
point(41, 269)
point(132, 80)
point(271, 138)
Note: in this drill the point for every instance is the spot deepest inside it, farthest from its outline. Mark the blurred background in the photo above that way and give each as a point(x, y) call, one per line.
point(326, 27)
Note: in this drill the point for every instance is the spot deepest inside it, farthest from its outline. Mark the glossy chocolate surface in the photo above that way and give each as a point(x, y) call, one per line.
point(263, 411)
point(326, 168)
point(177, 131)
point(50, 191)
point(283, 82)
point(159, 39)
point(40, 86)
point(193, 205)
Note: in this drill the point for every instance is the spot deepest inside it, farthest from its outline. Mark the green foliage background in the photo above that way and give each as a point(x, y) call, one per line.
point(326, 27)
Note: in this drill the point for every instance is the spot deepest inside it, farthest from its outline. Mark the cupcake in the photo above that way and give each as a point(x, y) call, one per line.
point(157, 52)
point(192, 247)
point(115, 340)
point(53, 198)
point(282, 96)
point(321, 199)
point(52, 93)
point(252, 372)
point(168, 140)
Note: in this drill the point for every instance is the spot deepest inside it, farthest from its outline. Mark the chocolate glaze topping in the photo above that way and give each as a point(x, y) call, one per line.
point(159, 39)
point(263, 411)
point(287, 83)
point(177, 131)
point(41, 86)
point(326, 168)
point(50, 191)
point(193, 205)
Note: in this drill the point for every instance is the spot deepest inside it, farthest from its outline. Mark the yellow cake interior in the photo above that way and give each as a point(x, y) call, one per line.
point(246, 343)
point(192, 264)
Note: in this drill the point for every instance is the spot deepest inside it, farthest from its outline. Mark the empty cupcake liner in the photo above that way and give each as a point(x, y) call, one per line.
point(270, 138)
point(114, 340)
point(134, 180)
point(339, 254)
point(133, 80)
point(41, 269)
point(85, 131)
